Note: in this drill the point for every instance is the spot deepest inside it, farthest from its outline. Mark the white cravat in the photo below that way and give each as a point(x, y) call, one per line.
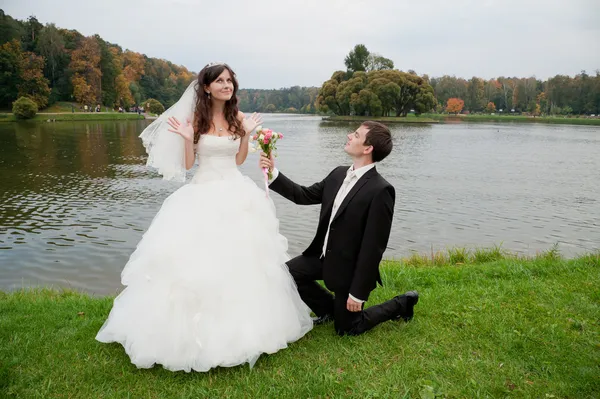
point(347, 185)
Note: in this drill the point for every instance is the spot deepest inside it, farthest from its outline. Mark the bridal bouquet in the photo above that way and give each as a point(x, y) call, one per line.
point(266, 140)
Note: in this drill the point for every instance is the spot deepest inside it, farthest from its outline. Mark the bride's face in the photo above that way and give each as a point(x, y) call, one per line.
point(222, 87)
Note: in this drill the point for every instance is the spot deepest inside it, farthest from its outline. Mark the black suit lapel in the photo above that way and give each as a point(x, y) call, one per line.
point(328, 202)
point(359, 184)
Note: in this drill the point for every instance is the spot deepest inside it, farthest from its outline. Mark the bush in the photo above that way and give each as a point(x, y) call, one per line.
point(154, 106)
point(24, 108)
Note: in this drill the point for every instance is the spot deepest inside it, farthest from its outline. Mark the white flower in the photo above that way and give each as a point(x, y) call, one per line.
point(259, 128)
point(261, 137)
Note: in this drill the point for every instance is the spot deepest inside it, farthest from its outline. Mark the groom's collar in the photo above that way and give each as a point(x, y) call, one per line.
point(360, 172)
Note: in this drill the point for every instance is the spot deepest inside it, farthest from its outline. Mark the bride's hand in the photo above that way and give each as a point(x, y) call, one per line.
point(184, 130)
point(252, 122)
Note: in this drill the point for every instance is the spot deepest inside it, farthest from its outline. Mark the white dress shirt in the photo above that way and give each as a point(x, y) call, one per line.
point(352, 176)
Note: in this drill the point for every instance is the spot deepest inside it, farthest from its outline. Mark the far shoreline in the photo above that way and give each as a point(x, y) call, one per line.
point(444, 118)
point(75, 116)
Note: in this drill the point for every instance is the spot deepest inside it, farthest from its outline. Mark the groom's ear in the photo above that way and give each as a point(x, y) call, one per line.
point(368, 150)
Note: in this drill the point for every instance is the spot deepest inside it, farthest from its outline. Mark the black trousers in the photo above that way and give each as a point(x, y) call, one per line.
point(306, 270)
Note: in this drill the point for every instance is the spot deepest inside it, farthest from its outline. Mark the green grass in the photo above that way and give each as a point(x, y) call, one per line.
point(63, 106)
point(488, 325)
point(77, 116)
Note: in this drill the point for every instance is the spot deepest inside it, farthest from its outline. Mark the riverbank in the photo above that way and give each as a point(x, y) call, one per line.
point(76, 116)
point(383, 119)
point(487, 324)
point(444, 118)
point(517, 118)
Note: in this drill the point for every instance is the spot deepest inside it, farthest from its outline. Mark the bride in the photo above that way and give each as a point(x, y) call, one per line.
point(207, 285)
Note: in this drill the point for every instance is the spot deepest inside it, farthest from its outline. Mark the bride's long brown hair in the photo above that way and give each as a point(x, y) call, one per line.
point(203, 111)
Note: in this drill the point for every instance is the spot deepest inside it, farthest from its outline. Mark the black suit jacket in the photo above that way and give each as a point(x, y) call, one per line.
point(359, 232)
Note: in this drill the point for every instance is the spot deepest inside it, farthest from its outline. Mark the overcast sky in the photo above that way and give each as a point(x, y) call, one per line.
point(279, 43)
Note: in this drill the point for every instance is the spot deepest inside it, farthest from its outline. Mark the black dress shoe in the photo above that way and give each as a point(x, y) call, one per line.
point(410, 299)
point(317, 321)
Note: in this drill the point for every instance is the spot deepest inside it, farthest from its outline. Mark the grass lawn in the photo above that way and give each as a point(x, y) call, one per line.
point(488, 325)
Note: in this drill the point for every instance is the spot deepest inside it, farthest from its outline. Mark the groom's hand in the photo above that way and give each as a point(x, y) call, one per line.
point(353, 306)
point(266, 162)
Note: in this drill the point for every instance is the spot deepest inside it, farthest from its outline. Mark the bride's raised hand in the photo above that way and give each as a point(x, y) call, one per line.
point(250, 123)
point(185, 130)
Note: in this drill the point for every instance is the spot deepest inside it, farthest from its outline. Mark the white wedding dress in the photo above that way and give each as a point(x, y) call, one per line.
point(207, 285)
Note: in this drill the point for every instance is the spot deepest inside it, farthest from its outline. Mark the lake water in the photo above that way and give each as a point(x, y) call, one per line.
point(76, 197)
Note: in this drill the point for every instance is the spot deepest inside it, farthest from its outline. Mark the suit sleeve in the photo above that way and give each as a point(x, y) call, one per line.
point(300, 195)
point(374, 243)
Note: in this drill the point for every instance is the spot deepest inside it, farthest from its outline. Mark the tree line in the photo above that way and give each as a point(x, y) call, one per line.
point(371, 86)
point(48, 64)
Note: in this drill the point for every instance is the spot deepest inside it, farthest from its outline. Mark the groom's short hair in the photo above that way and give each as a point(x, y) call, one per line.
point(380, 138)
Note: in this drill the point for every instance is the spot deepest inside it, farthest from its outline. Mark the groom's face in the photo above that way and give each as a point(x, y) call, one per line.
point(355, 146)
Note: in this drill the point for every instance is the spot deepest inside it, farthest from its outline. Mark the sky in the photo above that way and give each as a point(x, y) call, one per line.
point(272, 44)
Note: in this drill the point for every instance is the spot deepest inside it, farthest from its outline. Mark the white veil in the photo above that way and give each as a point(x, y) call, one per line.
point(166, 149)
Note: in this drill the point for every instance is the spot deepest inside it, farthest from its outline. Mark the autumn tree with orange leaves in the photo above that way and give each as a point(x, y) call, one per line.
point(85, 64)
point(455, 105)
point(33, 83)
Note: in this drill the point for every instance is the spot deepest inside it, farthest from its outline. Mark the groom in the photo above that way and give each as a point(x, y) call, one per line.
point(357, 207)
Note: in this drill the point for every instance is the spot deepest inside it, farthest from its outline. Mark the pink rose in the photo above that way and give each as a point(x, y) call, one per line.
point(280, 135)
point(255, 137)
point(266, 141)
point(268, 135)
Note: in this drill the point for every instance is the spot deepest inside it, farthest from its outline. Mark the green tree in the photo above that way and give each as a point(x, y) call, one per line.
point(110, 69)
point(31, 33)
point(154, 106)
point(344, 93)
point(447, 87)
point(10, 29)
point(24, 108)
point(378, 63)
point(11, 67)
point(51, 45)
point(357, 59)
point(507, 90)
point(475, 100)
point(339, 76)
point(366, 103)
point(386, 91)
point(327, 96)
point(425, 99)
